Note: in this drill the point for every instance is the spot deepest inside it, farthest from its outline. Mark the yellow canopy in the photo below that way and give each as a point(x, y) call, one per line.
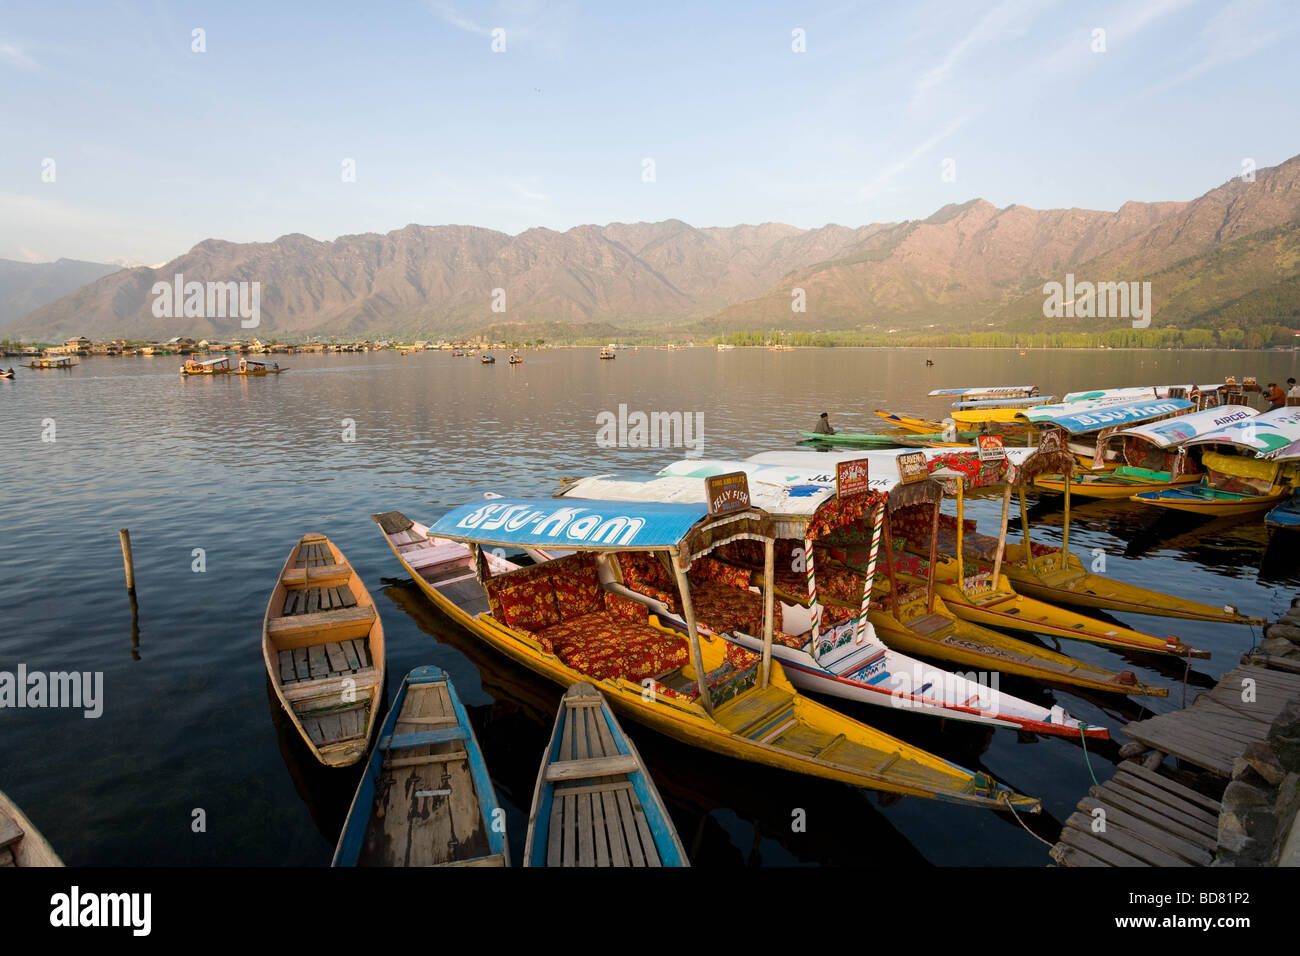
point(1240, 466)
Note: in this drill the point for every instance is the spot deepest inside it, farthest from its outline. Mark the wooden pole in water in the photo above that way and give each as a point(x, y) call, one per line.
point(125, 537)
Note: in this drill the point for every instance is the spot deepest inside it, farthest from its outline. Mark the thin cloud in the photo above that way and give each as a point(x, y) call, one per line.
point(14, 55)
point(1231, 35)
point(527, 193)
point(1008, 19)
point(448, 14)
point(874, 188)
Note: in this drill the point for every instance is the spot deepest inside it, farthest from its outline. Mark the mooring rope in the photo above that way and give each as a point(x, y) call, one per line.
point(1083, 739)
point(1005, 797)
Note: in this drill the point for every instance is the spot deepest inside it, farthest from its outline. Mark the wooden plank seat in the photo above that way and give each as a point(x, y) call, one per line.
point(317, 598)
point(325, 687)
point(335, 659)
point(421, 555)
point(303, 629)
point(591, 767)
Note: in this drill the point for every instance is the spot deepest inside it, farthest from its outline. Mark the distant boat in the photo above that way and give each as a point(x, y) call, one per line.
point(21, 844)
point(594, 803)
point(459, 353)
point(488, 360)
point(247, 367)
point(724, 347)
point(516, 359)
point(8, 374)
point(606, 354)
point(426, 798)
point(323, 646)
point(216, 366)
point(62, 361)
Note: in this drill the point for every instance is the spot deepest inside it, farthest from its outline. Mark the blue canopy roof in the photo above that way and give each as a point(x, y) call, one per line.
point(594, 525)
point(1084, 417)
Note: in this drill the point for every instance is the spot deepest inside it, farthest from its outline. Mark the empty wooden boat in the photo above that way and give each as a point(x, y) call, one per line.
point(323, 645)
point(426, 798)
point(595, 804)
point(21, 844)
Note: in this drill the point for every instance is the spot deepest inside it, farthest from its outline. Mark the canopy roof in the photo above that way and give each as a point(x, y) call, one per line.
point(1081, 417)
point(1002, 402)
point(1127, 394)
point(1181, 428)
point(989, 391)
point(1270, 432)
point(593, 525)
point(1290, 452)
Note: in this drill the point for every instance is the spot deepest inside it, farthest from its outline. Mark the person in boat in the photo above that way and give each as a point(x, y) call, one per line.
point(1275, 397)
point(1292, 389)
point(824, 425)
point(276, 366)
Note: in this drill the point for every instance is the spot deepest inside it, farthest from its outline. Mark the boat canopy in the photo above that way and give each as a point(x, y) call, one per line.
point(216, 361)
point(650, 522)
point(1129, 394)
point(1290, 453)
point(1003, 402)
point(992, 391)
point(1270, 432)
point(1079, 418)
point(943, 463)
point(1181, 428)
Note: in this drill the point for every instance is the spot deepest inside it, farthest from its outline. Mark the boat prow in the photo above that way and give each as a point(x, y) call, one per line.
point(426, 798)
point(21, 844)
point(323, 645)
point(595, 803)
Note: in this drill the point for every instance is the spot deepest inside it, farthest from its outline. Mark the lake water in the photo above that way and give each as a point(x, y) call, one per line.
point(241, 468)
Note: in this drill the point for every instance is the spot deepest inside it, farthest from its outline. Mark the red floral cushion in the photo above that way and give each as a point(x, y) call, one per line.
point(722, 608)
point(603, 647)
point(644, 573)
point(624, 607)
point(529, 603)
point(577, 584)
point(741, 657)
point(710, 569)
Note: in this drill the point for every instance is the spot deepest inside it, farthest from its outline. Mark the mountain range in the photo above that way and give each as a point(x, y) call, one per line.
point(1230, 256)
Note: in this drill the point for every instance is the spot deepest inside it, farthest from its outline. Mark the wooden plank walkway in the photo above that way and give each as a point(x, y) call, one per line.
point(1141, 817)
point(1218, 725)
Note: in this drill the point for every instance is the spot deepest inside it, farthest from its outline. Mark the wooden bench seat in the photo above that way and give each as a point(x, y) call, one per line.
point(424, 557)
point(590, 767)
point(334, 659)
point(309, 599)
point(330, 686)
point(339, 624)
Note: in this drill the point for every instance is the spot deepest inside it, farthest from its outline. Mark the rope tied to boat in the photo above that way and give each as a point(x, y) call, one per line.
point(1004, 796)
point(1083, 739)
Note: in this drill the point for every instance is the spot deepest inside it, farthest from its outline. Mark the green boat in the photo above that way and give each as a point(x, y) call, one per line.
point(874, 440)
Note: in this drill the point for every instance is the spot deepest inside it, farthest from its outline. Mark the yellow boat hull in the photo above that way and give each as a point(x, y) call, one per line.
point(909, 424)
point(1053, 580)
point(1003, 607)
point(805, 737)
point(1108, 486)
point(961, 642)
point(1216, 507)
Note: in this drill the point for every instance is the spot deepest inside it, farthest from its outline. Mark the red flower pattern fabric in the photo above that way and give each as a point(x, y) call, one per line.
point(709, 569)
point(604, 647)
point(644, 573)
point(577, 584)
point(529, 604)
point(620, 605)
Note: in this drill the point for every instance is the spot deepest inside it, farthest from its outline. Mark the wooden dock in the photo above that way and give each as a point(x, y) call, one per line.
point(1143, 817)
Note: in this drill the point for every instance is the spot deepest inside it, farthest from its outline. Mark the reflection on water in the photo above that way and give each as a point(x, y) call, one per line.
point(243, 467)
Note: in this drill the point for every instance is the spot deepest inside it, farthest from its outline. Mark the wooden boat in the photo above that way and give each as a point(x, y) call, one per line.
point(516, 359)
point(1124, 482)
point(607, 354)
point(21, 844)
point(488, 360)
point(910, 620)
point(595, 804)
point(62, 361)
point(323, 645)
point(1205, 499)
point(249, 367)
point(216, 366)
point(910, 424)
point(847, 659)
point(986, 392)
point(459, 353)
point(1286, 516)
point(426, 798)
point(743, 706)
point(888, 440)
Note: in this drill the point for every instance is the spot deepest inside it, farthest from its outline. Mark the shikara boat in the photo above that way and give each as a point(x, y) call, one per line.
point(7, 374)
point(216, 366)
point(877, 440)
point(563, 620)
point(21, 844)
point(426, 798)
point(1051, 573)
point(847, 659)
point(909, 423)
point(323, 645)
point(1286, 516)
point(249, 367)
point(595, 804)
point(1247, 475)
point(607, 354)
point(1155, 455)
point(986, 392)
point(488, 360)
point(1085, 427)
point(62, 361)
point(516, 359)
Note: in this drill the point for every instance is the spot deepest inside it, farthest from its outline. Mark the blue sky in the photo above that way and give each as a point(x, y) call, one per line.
point(157, 147)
